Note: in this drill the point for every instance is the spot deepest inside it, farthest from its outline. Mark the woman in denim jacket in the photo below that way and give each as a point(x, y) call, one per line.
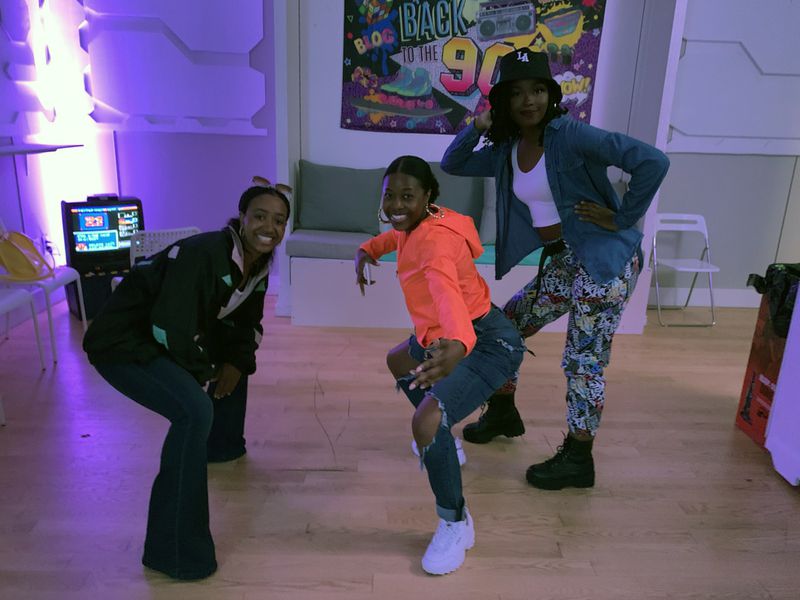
point(553, 192)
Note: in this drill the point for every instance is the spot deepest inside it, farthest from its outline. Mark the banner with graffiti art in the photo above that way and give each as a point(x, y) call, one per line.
point(426, 66)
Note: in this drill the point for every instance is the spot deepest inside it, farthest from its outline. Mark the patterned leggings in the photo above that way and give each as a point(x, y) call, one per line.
point(594, 310)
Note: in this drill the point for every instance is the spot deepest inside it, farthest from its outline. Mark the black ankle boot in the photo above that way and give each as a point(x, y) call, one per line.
point(572, 466)
point(500, 418)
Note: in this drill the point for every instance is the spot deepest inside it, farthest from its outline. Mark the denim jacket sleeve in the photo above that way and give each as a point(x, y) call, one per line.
point(646, 165)
point(460, 159)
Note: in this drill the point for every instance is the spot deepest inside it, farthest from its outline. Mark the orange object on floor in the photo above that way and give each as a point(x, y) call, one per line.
point(761, 377)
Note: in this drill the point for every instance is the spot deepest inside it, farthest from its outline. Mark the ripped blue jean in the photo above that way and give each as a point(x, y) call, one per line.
point(496, 357)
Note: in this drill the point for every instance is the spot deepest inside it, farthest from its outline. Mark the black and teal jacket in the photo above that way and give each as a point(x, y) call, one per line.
point(169, 305)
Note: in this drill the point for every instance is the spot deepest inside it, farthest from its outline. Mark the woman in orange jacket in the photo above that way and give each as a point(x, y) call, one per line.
point(462, 348)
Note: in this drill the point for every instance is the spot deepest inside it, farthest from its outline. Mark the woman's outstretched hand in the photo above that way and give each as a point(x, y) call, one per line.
point(445, 355)
point(597, 214)
point(361, 259)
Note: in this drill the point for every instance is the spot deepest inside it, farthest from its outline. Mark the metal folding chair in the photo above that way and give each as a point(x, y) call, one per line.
point(683, 222)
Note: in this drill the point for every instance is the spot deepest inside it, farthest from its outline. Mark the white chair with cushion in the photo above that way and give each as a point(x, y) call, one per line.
point(683, 223)
point(29, 269)
point(62, 276)
point(11, 299)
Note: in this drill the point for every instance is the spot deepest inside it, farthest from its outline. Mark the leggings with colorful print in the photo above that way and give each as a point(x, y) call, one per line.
point(594, 310)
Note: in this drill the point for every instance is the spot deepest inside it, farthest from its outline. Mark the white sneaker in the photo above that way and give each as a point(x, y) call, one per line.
point(449, 546)
point(462, 456)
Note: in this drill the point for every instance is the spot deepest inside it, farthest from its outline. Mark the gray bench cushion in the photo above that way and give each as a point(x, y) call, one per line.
point(338, 198)
point(324, 244)
point(347, 200)
point(462, 194)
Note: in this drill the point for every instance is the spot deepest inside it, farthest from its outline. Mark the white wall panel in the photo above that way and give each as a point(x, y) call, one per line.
point(181, 66)
point(738, 87)
point(92, 71)
point(768, 29)
point(144, 74)
point(228, 26)
point(743, 199)
point(17, 71)
point(789, 246)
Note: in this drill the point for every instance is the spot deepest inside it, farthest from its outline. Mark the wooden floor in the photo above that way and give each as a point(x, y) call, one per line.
point(329, 503)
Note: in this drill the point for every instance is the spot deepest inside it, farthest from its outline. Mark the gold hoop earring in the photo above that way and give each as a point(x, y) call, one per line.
point(435, 211)
point(382, 217)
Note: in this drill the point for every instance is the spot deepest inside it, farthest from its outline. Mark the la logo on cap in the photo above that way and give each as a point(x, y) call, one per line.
point(522, 56)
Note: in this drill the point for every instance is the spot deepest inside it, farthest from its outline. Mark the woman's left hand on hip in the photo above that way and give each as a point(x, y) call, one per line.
point(597, 214)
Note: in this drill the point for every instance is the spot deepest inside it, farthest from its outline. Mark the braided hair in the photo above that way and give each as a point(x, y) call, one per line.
point(419, 169)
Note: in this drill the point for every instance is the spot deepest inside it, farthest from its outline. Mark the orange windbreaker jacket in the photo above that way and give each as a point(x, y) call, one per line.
point(443, 290)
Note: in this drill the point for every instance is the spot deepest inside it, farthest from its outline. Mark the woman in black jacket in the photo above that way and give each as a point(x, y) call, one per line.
point(183, 317)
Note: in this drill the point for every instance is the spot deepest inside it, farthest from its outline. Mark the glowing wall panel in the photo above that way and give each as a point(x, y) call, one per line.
point(17, 68)
point(176, 66)
point(231, 27)
point(89, 72)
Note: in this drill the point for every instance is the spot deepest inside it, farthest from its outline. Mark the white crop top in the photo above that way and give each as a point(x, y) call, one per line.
point(532, 188)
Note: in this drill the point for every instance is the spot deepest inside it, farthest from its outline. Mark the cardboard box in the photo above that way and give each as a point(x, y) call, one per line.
point(761, 377)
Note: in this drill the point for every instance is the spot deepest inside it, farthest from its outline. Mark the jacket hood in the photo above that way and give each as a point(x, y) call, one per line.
point(460, 224)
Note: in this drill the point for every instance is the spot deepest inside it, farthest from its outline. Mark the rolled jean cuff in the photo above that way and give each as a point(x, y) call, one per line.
point(452, 515)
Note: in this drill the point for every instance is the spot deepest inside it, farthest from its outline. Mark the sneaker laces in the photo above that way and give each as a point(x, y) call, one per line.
point(447, 533)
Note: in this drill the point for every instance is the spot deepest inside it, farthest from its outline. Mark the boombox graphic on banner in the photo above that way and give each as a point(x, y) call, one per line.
point(426, 66)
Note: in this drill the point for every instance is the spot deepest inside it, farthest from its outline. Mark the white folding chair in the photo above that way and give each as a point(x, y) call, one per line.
point(55, 278)
point(150, 241)
point(61, 277)
point(683, 222)
point(11, 299)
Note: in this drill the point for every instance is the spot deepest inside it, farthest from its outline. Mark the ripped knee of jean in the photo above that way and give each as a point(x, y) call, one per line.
point(426, 423)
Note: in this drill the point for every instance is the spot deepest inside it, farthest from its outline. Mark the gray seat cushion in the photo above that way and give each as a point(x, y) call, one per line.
point(347, 200)
point(324, 244)
point(462, 194)
point(338, 198)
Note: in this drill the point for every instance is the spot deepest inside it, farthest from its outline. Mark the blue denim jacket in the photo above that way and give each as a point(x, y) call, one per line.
point(576, 158)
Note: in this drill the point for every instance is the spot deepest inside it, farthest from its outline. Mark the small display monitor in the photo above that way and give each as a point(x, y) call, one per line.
point(97, 233)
